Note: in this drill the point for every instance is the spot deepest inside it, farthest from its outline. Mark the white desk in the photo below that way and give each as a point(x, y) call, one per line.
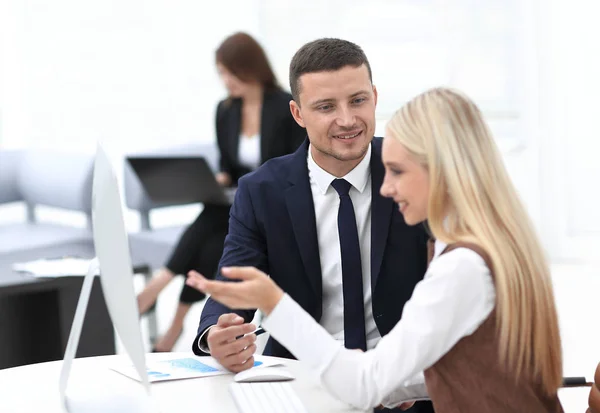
point(35, 388)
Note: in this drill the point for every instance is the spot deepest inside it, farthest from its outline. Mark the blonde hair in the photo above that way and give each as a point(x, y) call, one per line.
point(472, 199)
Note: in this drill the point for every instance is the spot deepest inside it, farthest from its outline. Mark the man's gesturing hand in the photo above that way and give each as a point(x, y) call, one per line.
point(234, 355)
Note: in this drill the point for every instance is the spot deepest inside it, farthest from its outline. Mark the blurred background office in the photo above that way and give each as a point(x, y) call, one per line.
point(138, 75)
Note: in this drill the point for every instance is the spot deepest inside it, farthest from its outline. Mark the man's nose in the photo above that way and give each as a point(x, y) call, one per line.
point(346, 117)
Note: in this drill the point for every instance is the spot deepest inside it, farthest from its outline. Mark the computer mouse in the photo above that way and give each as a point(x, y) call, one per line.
point(262, 374)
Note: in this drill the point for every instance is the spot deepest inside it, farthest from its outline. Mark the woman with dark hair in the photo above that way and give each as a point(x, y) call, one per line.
point(253, 125)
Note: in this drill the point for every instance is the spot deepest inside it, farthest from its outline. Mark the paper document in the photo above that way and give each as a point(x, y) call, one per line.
point(183, 368)
point(62, 267)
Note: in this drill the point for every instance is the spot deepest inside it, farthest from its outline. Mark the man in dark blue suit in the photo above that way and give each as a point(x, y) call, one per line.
point(315, 221)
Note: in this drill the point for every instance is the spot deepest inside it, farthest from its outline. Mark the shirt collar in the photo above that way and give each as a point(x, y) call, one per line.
point(439, 247)
point(358, 177)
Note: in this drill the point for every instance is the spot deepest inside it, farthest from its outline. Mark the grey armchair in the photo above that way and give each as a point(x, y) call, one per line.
point(61, 180)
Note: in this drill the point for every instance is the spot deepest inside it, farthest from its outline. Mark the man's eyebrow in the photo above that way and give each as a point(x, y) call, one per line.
point(330, 100)
point(360, 92)
point(321, 101)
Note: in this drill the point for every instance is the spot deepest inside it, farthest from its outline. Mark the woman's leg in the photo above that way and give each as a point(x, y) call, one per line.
point(182, 258)
point(208, 262)
point(148, 296)
point(167, 342)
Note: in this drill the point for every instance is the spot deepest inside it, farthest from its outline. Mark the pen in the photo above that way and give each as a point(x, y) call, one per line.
point(258, 332)
point(575, 381)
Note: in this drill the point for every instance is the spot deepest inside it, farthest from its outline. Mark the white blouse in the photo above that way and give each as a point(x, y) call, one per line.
point(249, 151)
point(455, 297)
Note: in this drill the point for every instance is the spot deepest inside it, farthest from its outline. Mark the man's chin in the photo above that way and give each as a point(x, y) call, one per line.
point(345, 153)
point(353, 152)
point(350, 155)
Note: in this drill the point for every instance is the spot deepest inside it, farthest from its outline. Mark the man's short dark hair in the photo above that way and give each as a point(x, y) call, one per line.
point(325, 55)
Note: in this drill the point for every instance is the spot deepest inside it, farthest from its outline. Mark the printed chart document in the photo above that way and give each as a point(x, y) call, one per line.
point(182, 368)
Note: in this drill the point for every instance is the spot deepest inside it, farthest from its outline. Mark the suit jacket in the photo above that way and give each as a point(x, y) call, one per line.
point(272, 227)
point(279, 133)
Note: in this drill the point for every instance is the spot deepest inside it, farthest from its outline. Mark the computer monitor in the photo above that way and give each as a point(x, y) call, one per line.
point(116, 276)
point(178, 180)
point(112, 250)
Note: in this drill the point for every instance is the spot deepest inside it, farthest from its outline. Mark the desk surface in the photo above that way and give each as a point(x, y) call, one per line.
point(35, 387)
point(14, 282)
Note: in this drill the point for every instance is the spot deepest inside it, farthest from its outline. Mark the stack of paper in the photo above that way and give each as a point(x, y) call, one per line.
point(62, 267)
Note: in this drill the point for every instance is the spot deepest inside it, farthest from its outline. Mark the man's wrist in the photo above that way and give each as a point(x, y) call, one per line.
point(272, 300)
point(203, 341)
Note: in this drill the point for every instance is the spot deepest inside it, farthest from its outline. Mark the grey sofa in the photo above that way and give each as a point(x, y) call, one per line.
point(55, 179)
point(154, 245)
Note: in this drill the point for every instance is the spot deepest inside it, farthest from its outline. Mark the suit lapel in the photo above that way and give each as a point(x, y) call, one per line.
point(301, 208)
point(381, 213)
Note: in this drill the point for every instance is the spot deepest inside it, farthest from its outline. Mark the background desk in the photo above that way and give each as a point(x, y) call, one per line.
point(34, 388)
point(36, 313)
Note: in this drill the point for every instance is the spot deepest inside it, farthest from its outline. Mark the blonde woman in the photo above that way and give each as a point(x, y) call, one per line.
point(480, 332)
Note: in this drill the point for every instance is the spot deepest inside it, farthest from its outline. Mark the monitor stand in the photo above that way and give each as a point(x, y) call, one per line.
point(98, 398)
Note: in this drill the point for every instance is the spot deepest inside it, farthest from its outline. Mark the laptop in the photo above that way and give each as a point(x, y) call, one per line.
point(179, 180)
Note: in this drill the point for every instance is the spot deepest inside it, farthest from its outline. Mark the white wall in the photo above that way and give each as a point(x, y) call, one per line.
point(130, 73)
point(487, 49)
point(137, 74)
point(569, 85)
point(141, 72)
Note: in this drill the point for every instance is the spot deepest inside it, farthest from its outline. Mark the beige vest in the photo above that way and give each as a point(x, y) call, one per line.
point(470, 379)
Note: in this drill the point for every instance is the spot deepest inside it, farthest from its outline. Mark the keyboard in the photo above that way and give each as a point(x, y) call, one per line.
point(272, 397)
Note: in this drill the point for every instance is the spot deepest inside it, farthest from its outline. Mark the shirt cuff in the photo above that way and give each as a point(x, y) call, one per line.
point(411, 390)
point(297, 331)
point(202, 343)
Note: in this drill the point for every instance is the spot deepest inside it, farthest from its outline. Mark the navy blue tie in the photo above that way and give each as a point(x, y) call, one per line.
point(352, 282)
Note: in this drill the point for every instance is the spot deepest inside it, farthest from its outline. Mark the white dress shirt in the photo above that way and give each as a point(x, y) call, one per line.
point(327, 202)
point(451, 302)
point(249, 151)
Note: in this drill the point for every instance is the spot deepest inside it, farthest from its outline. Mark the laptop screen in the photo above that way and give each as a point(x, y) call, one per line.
point(178, 180)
